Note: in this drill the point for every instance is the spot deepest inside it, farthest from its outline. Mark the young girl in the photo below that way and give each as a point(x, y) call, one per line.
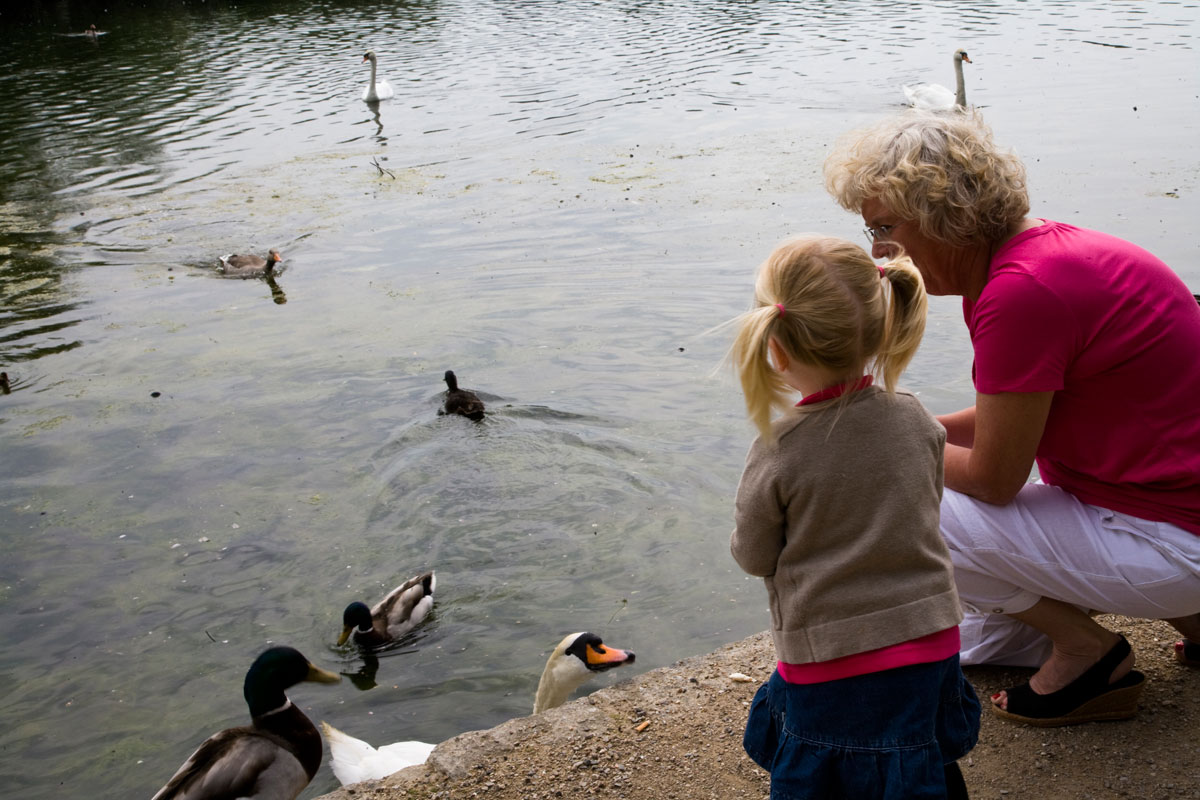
point(837, 511)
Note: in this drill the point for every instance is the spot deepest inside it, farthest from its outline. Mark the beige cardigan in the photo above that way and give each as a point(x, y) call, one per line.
point(840, 517)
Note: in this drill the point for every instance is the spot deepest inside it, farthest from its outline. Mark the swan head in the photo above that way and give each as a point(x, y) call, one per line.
point(961, 55)
point(578, 657)
point(356, 615)
point(590, 650)
point(370, 56)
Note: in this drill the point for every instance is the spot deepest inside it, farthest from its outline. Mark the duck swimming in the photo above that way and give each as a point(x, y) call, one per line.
point(272, 758)
point(395, 615)
point(578, 657)
point(463, 402)
point(249, 266)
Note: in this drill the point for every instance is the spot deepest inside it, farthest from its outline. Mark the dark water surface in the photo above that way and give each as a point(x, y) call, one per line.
point(560, 199)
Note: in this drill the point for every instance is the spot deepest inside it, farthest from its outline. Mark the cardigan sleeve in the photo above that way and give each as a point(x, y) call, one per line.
point(759, 516)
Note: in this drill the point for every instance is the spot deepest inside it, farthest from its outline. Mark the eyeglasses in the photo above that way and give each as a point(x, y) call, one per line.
point(876, 234)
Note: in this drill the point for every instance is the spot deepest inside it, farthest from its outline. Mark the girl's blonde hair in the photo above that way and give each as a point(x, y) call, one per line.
point(839, 312)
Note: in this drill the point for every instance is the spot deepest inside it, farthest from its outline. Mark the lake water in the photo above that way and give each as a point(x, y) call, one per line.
point(559, 201)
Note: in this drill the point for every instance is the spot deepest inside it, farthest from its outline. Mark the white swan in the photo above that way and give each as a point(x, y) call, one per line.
point(577, 658)
point(934, 96)
point(393, 616)
point(376, 90)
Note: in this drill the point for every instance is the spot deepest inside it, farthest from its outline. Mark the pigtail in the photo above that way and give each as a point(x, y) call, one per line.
point(904, 319)
point(761, 385)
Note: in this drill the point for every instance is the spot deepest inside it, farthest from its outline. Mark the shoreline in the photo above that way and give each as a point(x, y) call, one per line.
point(675, 733)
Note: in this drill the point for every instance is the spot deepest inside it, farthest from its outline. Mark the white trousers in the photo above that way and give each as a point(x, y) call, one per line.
point(1046, 543)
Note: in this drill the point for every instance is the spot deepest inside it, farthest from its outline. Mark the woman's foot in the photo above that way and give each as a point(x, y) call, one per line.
point(1187, 650)
point(1063, 667)
point(1093, 696)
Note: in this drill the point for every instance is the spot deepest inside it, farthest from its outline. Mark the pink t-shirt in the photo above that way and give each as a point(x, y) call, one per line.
point(936, 646)
point(1115, 334)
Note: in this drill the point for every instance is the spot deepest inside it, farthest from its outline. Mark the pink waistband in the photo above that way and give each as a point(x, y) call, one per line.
point(926, 649)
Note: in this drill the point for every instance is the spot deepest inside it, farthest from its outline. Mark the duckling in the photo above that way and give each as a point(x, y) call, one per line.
point(577, 658)
point(461, 401)
point(275, 756)
point(250, 266)
point(393, 616)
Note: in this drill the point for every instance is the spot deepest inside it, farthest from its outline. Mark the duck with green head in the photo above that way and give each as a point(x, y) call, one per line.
point(272, 758)
point(392, 617)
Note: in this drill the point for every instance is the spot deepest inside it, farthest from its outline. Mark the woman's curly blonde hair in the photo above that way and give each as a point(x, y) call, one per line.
point(941, 170)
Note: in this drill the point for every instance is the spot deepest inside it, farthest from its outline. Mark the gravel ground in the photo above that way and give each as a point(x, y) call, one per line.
point(675, 734)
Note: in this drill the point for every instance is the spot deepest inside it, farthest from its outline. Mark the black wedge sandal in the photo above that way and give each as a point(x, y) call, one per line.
point(1088, 698)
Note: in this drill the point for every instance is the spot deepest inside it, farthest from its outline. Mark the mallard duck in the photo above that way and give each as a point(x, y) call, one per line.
point(577, 658)
point(934, 96)
point(275, 756)
point(393, 616)
point(377, 89)
point(461, 401)
point(250, 266)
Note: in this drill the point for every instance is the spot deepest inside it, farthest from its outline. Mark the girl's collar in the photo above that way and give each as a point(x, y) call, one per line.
point(837, 390)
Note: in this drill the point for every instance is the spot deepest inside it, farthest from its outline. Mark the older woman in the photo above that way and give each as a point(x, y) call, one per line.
point(1087, 360)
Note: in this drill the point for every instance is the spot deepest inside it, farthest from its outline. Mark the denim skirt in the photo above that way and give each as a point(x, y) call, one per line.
point(881, 736)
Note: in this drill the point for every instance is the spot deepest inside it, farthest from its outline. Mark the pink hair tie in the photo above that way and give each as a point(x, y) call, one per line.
point(882, 272)
point(782, 310)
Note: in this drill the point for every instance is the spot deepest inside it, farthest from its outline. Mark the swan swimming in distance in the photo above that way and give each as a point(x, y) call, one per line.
point(377, 89)
point(577, 658)
point(934, 96)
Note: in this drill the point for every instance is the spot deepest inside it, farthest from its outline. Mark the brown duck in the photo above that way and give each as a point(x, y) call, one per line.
point(250, 266)
point(463, 402)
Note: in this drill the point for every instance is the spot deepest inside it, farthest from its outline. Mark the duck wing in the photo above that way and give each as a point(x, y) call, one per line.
point(464, 403)
point(238, 762)
point(406, 606)
point(244, 262)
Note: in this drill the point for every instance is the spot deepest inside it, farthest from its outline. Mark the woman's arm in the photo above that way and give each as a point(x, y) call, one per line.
point(960, 427)
point(999, 457)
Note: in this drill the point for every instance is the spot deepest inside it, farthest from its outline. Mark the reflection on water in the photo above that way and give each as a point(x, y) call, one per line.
point(561, 198)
